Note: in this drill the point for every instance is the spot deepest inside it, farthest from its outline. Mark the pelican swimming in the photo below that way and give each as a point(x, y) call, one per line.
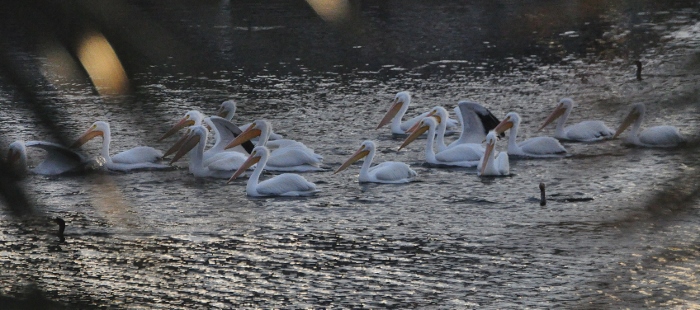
point(396, 112)
point(476, 121)
point(533, 147)
point(461, 155)
point(491, 165)
point(442, 114)
point(223, 167)
point(657, 136)
point(286, 184)
point(228, 109)
point(386, 172)
point(58, 159)
point(586, 131)
point(293, 156)
point(140, 157)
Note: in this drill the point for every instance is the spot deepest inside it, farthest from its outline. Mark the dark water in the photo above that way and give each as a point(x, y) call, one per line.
point(619, 230)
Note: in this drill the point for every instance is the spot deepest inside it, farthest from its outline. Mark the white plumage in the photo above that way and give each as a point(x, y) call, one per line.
point(396, 112)
point(286, 184)
point(463, 155)
point(223, 166)
point(386, 172)
point(140, 157)
point(658, 136)
point(533, 147)
point(490, 164)
point(58, 159)
point(586, 131)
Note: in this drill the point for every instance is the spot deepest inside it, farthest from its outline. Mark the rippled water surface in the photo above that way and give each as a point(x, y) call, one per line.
point(619, 230)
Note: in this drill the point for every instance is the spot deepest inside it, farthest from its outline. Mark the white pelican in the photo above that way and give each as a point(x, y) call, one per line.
point(476, 121)
point(58, 160)
point(533, 147)
point(658, 136)
point(140, 157)
point(228, 109)
point(386, 172)
point(286, 184)
point(442, 114)
point(586, 131)
point(226, 164)
point(396, 112)
point(294, 156)
point(490, 165)
point(461, 155)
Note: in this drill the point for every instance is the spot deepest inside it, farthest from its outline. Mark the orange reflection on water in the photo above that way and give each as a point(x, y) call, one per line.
point(102, 64)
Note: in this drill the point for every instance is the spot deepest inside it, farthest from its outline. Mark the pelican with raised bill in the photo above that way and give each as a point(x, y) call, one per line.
point(462, 155)
point(291, 156)
point(386, 172)
point(140, 157)
point(585, 131)
point(58, 159)
point(286, 184)
point(490, 164)
point(223, 167)
point(191, 118)
point(537, 147)
point(657, 136)
point(396, 112)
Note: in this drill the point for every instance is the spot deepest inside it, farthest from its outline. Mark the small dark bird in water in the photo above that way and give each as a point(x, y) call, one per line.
point(61, 228)
point(639, 69)
point(543, 198)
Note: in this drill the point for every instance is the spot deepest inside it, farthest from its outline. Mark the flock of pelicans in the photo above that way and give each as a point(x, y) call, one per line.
point(255, 146)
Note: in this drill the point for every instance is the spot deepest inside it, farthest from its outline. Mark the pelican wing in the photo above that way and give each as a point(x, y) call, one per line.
point(293, 156)
point(588, 131)
point(229, 131)
point(59, 159)
point(542, 146)
point(461, 152)
point(661, 136)
point(502, 163)
point(392, 171)
point(139, 154)
point(286, 184)
point(227, 161)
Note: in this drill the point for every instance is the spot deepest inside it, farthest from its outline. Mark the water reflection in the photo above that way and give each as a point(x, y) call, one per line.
point(447, 240)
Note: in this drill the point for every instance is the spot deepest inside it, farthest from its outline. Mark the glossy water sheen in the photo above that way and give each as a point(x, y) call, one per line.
point(163, 239)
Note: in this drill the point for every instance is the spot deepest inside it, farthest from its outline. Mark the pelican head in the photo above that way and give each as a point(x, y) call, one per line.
point(256, 129)
point(364, 150)
point(17, 152)
point(191, 139)
point(98, 128)
point(420, 128)
point(566, 104)
point(191, 118)
point(637, 112)
point(401, 102)
point(511, 120)
point(490, 140)
point(259, 153)
point(227, 109)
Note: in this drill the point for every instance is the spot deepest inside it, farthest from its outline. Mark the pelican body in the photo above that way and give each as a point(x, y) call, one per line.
point(462, 155)
point(537, 147)
point(223, 167)
point(286, 184)
point(657, 136)
point(292, 156)
point(140, 157)
point(491, 165)
point(58, 160)
point(586, 131)
point(396, 112)
point(386, 172)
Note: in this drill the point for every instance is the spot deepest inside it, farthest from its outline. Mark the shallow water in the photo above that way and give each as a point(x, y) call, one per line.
point(619, 230)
